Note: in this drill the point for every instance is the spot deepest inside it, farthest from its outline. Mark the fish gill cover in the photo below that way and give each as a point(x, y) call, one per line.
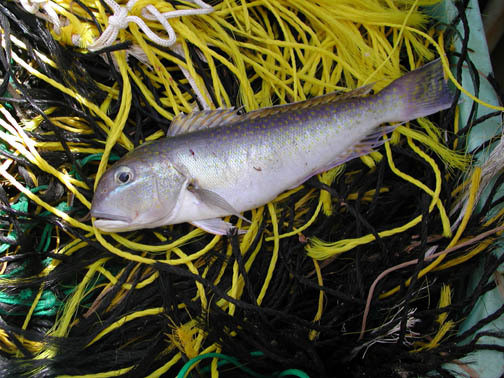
point(362, 270)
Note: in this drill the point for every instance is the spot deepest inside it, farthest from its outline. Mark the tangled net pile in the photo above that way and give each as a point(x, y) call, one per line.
point(362, 270)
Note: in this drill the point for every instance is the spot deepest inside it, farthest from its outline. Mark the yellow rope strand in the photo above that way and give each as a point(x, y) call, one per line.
point(313, 333)
point(274, 255)
point(125, 319)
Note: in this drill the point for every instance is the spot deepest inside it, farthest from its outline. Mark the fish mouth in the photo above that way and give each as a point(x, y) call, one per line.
point(100, 215)
point(110, 222)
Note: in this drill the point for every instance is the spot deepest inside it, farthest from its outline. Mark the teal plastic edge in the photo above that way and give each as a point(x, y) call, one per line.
point(487, 364)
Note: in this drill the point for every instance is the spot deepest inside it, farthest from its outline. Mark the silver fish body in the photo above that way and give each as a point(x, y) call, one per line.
point(233, 163)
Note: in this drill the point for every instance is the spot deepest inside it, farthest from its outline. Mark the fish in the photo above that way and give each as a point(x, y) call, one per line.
point(216, 163)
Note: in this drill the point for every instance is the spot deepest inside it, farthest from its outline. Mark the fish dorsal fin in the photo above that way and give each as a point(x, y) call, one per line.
point(328, 98)
point(204, 119)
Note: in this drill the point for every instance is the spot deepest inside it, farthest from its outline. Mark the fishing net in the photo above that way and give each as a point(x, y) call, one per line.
point(366, 269)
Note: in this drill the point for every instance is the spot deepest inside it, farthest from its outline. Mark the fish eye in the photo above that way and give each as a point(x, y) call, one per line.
point(123, 175)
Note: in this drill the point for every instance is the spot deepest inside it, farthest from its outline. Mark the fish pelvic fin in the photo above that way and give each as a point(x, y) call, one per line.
point(217, 226)
point(419, 93)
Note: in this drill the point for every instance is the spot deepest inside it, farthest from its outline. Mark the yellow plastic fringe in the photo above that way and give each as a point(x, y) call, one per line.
point(444, 326)
point(475, 180)
point(321, 250)
point(339, 46)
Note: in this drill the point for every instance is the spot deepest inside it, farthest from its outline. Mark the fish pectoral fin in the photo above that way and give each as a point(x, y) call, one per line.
point(213, 199)
point(216, 226)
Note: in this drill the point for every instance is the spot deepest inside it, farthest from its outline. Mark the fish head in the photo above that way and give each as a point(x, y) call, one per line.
point(136, 192)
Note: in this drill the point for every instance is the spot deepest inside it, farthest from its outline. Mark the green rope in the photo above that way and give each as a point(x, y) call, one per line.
point(96, 157)
point(48, 304)
point(93, 157)
point(225, 359)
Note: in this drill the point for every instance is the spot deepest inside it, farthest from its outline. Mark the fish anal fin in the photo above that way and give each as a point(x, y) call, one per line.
point(365, 146)
point(361, 148)
point(199, 120)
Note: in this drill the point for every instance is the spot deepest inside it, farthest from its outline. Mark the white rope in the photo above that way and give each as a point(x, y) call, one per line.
point(206, 106)
point(121, 18)
point(33, 7)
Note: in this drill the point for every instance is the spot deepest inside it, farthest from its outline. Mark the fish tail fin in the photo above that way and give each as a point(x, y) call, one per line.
point(419, 93)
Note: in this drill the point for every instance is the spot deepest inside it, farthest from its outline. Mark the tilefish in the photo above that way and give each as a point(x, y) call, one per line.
point(216, 163)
